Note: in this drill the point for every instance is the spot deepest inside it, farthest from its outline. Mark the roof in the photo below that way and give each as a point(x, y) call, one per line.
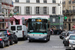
point(71, 34)
point(37, 18)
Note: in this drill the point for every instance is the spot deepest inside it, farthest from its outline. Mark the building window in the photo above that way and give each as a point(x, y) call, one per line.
point(63, 8)
point(63, 2)
point(37, 10)
point(45, 1)
point(3, 10)
point(16, 0)
point(27, 1)
point(44, 10)
point(16, 10)
point(73, 20)
point(69, 1)
point(73, 7)
point(37, 1)
point(0, 7)
point(27, 10)
point(69, 7)
point(17, 22)
point(73, 1)
point(64, 25)
point(2, 25)
point(69, 19)
point(54, 1)
point(11, 22)
point(53, 10)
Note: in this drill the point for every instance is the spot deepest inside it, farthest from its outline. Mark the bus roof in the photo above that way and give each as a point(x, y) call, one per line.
point(37, 18)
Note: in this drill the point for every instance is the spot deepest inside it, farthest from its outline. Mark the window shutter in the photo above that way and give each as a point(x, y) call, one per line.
point(24, 10)
point(47, 10)
point(41, 10)
point(35, 10)
point(19, 10)
point(30, 10)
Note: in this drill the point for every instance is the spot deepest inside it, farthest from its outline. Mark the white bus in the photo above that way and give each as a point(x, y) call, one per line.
point(38, 29)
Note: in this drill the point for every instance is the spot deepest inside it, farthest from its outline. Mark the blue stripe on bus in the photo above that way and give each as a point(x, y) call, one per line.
point(38, 33)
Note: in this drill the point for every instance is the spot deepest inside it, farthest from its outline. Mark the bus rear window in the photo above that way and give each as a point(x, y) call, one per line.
point(19, 27)
point(13, 28)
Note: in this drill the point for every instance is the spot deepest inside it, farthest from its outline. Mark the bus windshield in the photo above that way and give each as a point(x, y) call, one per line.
point(37, 27)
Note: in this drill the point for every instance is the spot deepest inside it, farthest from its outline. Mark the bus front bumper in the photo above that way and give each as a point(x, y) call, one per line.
point(37, 38)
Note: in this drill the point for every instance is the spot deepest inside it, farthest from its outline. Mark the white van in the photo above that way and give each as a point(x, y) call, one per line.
point(19, 30)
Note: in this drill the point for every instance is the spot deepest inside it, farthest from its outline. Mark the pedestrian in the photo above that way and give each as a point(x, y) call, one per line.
point(50, 31)
point(57, 32)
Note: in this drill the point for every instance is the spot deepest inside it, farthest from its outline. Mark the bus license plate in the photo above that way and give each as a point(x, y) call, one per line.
point(73, 45)
point(36, 35)
point(36, 38)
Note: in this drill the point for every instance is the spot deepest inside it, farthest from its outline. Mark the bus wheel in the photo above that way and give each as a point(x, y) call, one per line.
point(49, 39)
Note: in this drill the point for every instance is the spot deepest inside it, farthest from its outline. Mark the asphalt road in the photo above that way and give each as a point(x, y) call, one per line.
point(54, 44)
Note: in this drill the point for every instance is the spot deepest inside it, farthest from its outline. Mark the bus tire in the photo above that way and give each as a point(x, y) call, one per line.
point(49, 39)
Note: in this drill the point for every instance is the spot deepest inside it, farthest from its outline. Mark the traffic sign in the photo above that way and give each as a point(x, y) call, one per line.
point(65, 17)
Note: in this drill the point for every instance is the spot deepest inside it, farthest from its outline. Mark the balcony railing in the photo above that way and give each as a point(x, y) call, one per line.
point(68, 11)
point(69, 20)
point(65, 20)
point(73, 20)
point(73, 2)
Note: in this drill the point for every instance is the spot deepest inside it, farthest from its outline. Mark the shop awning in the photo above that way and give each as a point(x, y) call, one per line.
point(12, 19)
point(9, 19)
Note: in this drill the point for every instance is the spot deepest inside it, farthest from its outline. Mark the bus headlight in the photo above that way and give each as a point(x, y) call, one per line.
point(28, 38)
point(45, 39)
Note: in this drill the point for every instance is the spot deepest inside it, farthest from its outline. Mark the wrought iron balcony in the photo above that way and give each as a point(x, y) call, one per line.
point(73, 11)
point(65, 20)
point(73, 20)
point(68, 11)
point(69, 20)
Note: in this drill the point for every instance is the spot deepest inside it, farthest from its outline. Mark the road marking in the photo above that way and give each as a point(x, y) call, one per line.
point(21, 42)
point(9, 46)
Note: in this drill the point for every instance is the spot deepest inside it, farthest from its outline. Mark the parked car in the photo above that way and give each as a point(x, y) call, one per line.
point(20, 31)
point(12, 37)
point(4, 40)
point(70, 42)
point(63, 35)
point(69, 32)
